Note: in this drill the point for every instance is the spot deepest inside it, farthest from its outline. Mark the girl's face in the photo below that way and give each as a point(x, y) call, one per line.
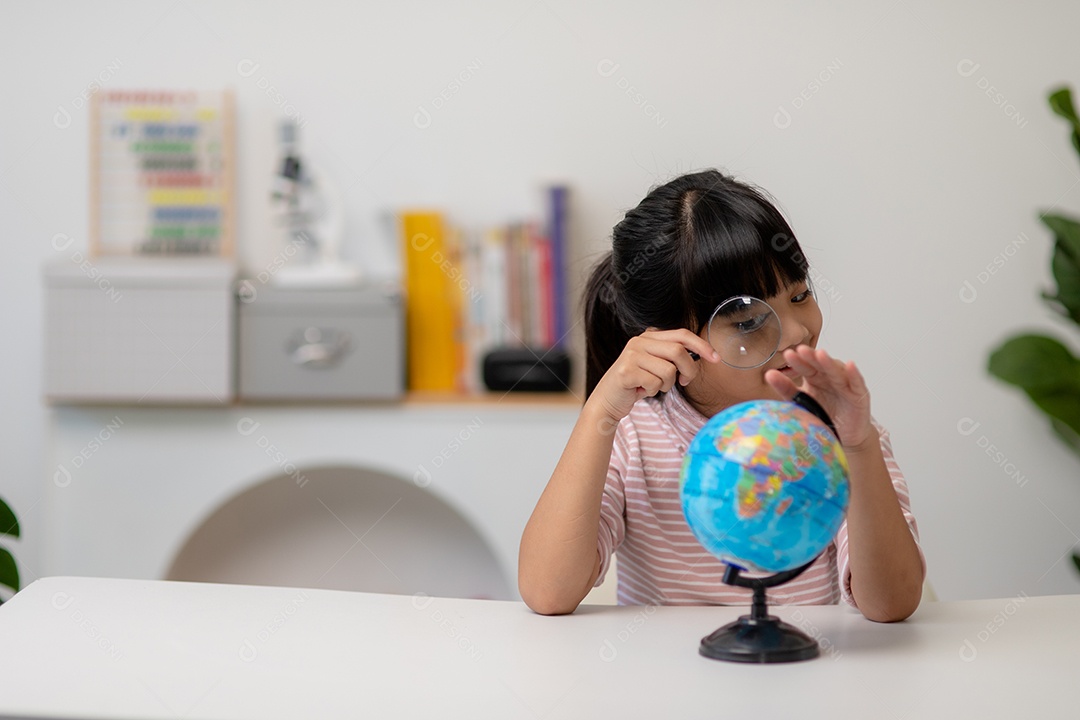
point(718, 386)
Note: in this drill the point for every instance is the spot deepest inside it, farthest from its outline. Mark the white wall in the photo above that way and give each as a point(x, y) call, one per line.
point(903, 178)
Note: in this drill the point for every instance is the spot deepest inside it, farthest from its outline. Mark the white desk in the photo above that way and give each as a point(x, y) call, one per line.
point(94, 648)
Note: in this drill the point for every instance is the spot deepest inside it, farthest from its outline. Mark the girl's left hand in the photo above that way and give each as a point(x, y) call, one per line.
point(838, 386)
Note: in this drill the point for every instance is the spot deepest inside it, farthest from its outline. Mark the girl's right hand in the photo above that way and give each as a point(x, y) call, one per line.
point(650, 363)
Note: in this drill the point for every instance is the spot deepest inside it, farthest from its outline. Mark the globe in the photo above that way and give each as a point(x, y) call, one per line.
point(764, 486)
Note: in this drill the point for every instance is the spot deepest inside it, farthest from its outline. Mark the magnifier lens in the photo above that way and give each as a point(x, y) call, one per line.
point(745, 331)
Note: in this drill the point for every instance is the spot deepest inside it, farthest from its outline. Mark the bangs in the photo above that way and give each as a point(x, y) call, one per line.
point(735, 244)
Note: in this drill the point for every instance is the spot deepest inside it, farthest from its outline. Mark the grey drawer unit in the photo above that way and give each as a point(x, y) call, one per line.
point(149, 330)
point(342, 343)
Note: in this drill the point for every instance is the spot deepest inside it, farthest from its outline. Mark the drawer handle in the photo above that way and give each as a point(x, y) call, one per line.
point(319, 349)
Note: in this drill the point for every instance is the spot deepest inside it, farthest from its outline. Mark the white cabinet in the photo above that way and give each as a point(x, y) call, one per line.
point(129, 487)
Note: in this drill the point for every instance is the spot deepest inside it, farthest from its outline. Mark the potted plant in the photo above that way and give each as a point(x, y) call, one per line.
point(1040, 365)
point(9, 571)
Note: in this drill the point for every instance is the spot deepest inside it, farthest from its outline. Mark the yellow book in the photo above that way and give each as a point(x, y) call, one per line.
point(430, 307)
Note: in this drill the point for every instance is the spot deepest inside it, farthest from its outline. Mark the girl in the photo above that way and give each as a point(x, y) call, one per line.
point(688, 246)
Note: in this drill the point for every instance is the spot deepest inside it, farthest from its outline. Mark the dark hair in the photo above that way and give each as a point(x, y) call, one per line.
point(688, 246)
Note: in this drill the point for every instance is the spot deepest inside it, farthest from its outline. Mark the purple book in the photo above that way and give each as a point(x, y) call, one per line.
point(557, 232)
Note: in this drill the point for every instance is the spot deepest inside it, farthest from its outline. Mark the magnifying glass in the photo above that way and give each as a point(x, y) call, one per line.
point(745, 331)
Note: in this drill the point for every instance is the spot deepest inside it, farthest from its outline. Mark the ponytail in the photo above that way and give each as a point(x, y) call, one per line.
point(605, 336)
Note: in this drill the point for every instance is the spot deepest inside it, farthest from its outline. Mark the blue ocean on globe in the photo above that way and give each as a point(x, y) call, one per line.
point(764, 486)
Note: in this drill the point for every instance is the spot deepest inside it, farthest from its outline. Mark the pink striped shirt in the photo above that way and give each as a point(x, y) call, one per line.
point(660, 560)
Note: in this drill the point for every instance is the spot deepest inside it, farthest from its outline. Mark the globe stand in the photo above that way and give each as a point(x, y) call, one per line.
point(759, 637)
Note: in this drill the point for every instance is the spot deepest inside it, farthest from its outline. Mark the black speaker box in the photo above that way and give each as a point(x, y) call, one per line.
point(527, 370)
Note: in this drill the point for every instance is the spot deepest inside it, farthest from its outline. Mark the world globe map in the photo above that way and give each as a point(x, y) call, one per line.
point(764, 486)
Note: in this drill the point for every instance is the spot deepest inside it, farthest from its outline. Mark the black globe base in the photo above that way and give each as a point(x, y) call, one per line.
point(750, 640)
point(759, 637)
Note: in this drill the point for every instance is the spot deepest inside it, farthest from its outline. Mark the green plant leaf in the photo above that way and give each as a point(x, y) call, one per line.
point(1062, 405)
point(1065, 229)
point(1062, 104)
point(1076, 561)
point(9, 572)
point(1068, 436)
point(9, 524)
point(1067, 274)
point(1066, 263)
point(1046, 371)
point(1035, 362)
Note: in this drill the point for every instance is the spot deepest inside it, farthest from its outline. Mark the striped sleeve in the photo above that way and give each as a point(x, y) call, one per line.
point(613, 502)
point(902, 495)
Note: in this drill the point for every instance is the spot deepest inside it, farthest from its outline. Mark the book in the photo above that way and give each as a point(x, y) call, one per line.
point(546, 297)
point(557, 230)
point(431, 312)
point(470, 292)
